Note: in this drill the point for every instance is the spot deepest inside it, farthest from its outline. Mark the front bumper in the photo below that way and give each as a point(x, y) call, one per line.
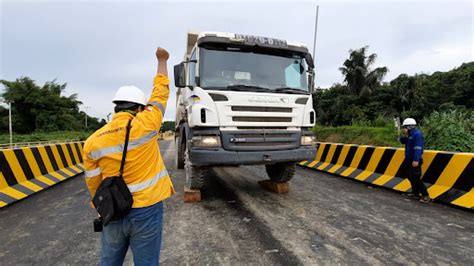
point(203, 157)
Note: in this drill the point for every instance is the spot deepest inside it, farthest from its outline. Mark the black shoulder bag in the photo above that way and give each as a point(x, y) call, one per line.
point(113, 199)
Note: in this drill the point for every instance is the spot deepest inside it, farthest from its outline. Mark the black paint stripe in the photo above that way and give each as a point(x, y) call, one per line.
point(71, 154)
point(366, 158)
point(393, 182)
point(23, 189)
point(436, 167)
point(6, 170)
point(51, 157)
point(39, 183)
point(7, 199)
point(355, 173)
point(325, 152)
point(63, 174)
point(74, 171)
point(318, 164)
point(62, 155)
point(372, 177)
point(39, 160)
point(80, 167)
point(385, 160)
point(52, 178)
point(350, 156)
point(463, 184)
point(340, 170)
point(78, 150)
point(337, 153)
point(329, 166)
point(20, 156)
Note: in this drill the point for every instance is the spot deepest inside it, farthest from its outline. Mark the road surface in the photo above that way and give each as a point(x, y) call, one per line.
point(323, 220)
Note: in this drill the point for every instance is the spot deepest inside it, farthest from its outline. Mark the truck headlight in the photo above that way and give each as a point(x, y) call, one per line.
point(309, 140)
point(206, 141)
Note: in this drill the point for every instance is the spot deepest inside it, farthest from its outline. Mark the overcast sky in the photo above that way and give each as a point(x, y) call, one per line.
point(97, 46)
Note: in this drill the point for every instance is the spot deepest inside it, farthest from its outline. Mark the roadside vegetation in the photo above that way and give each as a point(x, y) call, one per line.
point(365, 110)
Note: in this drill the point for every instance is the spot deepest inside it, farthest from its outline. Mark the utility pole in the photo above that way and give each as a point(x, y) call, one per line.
point(10, 123)
point(315, 33)
point(86, 107)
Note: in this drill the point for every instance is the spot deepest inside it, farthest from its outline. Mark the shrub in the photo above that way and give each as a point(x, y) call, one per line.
point(449, 131)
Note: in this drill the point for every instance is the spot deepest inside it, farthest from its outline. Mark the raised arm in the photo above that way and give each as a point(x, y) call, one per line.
point(153, 114)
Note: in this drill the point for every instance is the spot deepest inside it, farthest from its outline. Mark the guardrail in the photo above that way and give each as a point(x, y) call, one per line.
point(448, 176)
point(27, 170)
point(33, 143)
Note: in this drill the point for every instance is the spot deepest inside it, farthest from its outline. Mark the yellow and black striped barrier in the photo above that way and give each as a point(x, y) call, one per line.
point(25, 171)
point(448, 176)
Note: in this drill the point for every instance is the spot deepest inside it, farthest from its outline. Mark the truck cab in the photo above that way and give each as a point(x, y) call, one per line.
point(242, 100)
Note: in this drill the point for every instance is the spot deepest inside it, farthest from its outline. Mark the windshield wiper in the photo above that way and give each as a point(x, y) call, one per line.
point(291, 90)
point(241, 87)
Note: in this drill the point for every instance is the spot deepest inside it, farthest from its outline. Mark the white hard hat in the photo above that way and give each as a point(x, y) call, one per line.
point(409, 122)
point(130, 94)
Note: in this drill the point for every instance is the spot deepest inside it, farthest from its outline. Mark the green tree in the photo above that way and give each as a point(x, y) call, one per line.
point(358, 75)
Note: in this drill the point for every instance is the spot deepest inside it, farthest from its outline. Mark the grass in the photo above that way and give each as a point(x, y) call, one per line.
point(44, 136)
point(376, 136)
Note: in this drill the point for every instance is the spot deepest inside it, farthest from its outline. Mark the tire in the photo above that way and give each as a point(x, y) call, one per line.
point(179, 153)
point(281, 172)
point(194, 175)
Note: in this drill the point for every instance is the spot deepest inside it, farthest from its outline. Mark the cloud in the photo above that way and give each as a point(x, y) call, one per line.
point(96, 47)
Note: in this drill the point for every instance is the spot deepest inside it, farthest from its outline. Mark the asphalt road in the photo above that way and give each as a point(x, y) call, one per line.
point(323, 220)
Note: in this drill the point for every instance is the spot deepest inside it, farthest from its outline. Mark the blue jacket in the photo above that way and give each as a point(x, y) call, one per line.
point(413, 145)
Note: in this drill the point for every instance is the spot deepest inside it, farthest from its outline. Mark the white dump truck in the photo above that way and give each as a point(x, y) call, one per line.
point(243, 100)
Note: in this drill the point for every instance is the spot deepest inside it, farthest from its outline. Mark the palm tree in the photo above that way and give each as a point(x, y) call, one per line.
point(360, 79)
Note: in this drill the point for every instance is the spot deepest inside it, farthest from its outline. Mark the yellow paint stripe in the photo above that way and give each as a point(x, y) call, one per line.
point(355, 161)
point(466, 200)
point(3, 181)
point(321, 167)
point(31, 161)
point(403, 186)
point(31, 186)
point(381, 180)
point(320, 151)
point(343, 155)
point(303, 162)
point(58, 176)
point(363, 175)
point(333, 169)
point(332, 148)
point(392, 168)
point(68, 172)
point(2, 204)
point(375, 159)
point(14, 165)
point(313, 163)
point(75, 168)
point(14, 193)
point(66, 154)
point(46, 161)
point(451, 172)
point(428, 158)
point(74, 152)
point(57, 157)
point(46, 180)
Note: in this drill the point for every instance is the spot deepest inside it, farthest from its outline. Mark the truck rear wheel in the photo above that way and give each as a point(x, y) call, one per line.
point(179, 153)
point(194, 174)
point(281, 172)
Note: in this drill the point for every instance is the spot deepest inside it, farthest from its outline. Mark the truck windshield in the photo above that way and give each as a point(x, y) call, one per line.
point(238, 69)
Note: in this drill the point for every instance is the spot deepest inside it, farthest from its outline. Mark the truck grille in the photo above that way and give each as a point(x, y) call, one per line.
point(261, 119)
point(261, 109)
point(260, 139)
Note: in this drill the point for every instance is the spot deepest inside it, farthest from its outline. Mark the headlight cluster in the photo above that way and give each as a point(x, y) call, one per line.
point(309, 140)
point(206, 141)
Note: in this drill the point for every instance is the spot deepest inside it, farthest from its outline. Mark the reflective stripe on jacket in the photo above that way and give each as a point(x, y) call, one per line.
point(144, 172)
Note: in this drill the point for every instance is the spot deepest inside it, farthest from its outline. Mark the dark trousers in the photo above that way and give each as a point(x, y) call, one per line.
point(414, 176)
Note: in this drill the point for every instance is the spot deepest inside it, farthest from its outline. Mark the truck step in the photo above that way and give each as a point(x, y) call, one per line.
point(191, 195)
point(280, 188)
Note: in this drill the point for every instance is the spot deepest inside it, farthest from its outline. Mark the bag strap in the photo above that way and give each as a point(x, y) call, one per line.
point(125, 146)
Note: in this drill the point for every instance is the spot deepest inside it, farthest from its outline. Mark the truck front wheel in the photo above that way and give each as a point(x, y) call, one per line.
point(194, 174)
point(179, 153)
point(281, 172)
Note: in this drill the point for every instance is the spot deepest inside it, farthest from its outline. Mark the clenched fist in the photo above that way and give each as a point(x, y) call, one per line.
point(162, 54)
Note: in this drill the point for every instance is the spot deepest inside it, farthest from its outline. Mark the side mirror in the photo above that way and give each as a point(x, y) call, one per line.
point(179, 76)
point(309, 60)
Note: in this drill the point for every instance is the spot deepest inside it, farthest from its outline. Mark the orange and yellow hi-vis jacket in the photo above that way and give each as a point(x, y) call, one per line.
point(144, 172)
